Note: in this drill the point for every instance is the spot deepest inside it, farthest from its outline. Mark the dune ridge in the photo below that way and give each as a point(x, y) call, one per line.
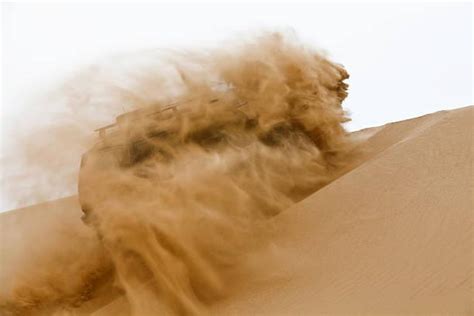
point(399, 243)
point(400, 240)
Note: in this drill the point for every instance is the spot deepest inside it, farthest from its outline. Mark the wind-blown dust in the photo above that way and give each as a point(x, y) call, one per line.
point(179, 197)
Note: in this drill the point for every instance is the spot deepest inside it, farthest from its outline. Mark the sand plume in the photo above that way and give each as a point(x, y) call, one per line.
point(179, 199)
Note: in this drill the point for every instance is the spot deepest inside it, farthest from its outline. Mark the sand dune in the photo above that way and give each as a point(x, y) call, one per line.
point(391, 236)
point(399, 241)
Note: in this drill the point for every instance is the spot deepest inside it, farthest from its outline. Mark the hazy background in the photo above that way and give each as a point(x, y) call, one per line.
point(404, 59)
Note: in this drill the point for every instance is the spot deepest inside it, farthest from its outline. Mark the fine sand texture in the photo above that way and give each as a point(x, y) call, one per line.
point(392, 236)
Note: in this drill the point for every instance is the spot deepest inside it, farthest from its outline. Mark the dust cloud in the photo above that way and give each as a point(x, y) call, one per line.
point(180, 192)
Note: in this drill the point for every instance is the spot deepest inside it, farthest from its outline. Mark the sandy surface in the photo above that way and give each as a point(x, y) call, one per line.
point(391, 236)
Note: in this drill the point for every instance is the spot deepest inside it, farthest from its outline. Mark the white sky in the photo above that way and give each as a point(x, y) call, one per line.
point(404, 59)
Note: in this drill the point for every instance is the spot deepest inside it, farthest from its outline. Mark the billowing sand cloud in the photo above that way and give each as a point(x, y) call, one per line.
point(180, 196)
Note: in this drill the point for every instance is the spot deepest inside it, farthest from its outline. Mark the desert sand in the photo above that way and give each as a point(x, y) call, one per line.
point(393, 235)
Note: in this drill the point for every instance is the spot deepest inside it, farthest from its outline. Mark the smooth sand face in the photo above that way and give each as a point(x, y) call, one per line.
point(393, 235)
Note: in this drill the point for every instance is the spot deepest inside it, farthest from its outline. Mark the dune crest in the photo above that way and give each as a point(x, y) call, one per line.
point(391, 236)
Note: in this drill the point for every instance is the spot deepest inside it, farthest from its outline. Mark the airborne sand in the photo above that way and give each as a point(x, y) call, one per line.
point(179, 198)
point(392, 236)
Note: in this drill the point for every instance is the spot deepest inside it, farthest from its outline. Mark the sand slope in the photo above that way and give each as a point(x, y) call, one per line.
point(28, 230)
point(392, 236)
